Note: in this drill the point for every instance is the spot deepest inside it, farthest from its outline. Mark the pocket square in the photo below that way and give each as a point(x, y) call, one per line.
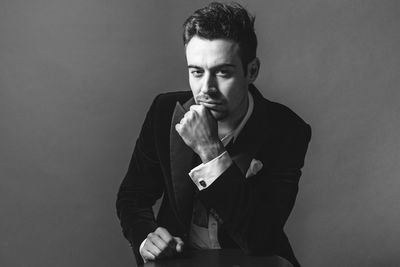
point(255, 167)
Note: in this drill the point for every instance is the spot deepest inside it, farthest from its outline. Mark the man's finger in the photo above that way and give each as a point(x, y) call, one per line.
point(178, 127)
point(194, 107)
point(150, 247)
point(147, 255)
point(189, 114)
point(179, 244)
point(178, 240)
point(158, 242)
point(166, 237)
point(197, 108)
point(204, 111)
point(163, 234)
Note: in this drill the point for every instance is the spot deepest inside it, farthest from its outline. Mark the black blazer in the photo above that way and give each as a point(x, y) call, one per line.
point(253, 210)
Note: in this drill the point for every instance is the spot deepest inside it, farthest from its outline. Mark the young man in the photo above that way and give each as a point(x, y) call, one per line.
point(227, 160)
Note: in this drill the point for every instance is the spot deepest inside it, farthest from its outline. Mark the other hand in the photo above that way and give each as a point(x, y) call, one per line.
point(160, 244)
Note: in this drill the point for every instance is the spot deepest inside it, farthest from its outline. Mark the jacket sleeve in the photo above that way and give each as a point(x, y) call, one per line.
point(254, 210)
point(140, 188)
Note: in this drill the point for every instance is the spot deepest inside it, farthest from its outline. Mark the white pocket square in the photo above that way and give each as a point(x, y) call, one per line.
point(255, 167)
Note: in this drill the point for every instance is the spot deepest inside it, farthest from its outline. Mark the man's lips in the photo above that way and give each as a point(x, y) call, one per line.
point(207, 100)
point(211, 104)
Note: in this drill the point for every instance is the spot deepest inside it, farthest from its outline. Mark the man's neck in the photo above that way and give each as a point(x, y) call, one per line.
point(230, 124)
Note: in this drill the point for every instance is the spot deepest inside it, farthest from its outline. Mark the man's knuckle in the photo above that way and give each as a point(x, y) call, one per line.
point(159, 230)
point(194, 108)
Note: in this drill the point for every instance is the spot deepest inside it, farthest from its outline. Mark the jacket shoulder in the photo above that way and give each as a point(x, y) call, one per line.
point(285, 113)
point(286, 119)
point(278, 115)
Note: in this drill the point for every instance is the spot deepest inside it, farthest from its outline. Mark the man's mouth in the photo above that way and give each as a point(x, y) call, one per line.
point(211, 105)
point(207, 100)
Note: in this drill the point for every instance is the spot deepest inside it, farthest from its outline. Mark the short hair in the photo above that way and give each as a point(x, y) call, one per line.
point(224, 21)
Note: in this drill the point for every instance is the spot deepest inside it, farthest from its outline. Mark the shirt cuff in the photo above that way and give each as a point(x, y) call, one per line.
point(140, 250)
point(206, 173)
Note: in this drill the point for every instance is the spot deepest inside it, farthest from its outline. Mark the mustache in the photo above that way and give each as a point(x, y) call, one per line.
point(207, 99)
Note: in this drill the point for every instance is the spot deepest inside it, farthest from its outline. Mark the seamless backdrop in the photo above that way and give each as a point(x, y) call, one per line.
point(77, 77)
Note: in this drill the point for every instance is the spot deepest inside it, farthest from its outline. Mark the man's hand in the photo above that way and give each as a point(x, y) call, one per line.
point(199, 131)
point(160, 244)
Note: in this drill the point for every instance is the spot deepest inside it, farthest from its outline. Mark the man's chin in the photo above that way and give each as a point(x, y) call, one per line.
point(218, 115)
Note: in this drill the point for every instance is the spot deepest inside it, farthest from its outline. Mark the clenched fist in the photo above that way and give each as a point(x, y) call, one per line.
point(199, 131)
point(160, 244)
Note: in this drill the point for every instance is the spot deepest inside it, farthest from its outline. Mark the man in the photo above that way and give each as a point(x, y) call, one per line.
point(226, 159)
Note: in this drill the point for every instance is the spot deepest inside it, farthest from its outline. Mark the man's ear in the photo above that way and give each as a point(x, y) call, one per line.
point(252, 70)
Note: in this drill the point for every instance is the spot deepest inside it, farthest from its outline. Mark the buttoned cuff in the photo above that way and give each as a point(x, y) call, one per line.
point(206, 173)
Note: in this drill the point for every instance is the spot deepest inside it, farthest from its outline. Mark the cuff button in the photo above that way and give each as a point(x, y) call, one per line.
point(202, 183)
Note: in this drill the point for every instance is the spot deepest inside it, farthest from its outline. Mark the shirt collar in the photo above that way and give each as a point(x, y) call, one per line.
point(235, 133)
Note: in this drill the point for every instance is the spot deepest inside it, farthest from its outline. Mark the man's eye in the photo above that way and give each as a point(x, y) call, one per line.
point(224, 73)
point(196, 73)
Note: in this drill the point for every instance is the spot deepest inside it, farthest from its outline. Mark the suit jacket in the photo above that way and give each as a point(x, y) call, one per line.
point(253, 210)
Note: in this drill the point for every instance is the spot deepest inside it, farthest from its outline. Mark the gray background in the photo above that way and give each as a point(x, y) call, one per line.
point(77, 77)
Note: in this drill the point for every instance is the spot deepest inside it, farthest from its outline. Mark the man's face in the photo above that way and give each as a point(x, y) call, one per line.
point(217, 78)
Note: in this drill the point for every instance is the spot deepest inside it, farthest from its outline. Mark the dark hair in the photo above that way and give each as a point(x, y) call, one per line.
point(224, 21)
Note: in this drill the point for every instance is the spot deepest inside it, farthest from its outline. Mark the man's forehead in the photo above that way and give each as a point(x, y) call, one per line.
point(216, 51)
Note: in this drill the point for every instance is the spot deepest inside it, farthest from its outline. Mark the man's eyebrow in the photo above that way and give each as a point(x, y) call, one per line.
point(224, 65)
point(193, 67)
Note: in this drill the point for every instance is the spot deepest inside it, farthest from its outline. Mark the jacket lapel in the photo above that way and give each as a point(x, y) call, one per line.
point(181, 158)
point(253, 134)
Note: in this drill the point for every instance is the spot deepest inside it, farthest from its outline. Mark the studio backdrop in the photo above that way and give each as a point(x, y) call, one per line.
point(77, 78)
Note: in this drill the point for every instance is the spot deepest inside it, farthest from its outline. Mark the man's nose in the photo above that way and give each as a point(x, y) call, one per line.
point(209, 86)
